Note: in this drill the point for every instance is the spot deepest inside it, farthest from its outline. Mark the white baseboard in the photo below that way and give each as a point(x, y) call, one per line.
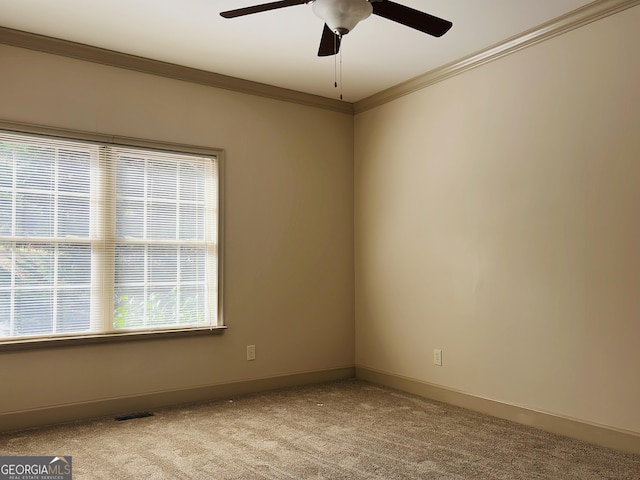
point(597, 434)
point(24, 419)
point(622, 440)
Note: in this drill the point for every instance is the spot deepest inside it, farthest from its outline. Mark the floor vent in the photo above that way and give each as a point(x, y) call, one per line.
point(131, 416)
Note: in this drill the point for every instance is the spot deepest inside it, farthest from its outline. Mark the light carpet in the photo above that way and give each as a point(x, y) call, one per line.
point(341, 430)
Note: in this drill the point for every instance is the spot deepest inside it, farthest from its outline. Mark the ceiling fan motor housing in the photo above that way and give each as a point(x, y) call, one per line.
point(341, 16)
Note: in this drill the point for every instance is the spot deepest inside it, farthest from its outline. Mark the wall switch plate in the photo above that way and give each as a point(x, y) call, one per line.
point(251, 352)
point(437, 357)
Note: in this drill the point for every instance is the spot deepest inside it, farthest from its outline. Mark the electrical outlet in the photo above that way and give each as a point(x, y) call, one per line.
point(437, 357)
point(251, 352)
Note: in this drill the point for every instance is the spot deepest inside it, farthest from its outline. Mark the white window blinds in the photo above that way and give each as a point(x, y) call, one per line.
point(99, 238)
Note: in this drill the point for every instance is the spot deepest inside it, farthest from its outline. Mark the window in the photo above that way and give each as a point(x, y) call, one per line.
point(101, 238)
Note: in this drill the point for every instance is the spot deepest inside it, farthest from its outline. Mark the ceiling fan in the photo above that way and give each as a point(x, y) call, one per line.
point(341, 16)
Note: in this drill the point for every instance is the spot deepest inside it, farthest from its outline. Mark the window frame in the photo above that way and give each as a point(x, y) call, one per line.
point(162, 146)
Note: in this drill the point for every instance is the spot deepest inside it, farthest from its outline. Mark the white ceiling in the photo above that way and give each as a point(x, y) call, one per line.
point(280, 47)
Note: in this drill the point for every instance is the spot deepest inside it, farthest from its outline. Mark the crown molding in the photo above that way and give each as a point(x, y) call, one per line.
point(79, 51)
point(565, 23)
point(577, 18)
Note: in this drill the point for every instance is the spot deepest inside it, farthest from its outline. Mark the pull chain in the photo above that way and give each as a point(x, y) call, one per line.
point(340, 74)
point(335, 65)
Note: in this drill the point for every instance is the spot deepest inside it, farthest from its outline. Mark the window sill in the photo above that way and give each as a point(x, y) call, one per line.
point(38, 343)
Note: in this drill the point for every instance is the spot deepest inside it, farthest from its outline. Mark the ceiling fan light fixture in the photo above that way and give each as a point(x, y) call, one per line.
point(341, 16)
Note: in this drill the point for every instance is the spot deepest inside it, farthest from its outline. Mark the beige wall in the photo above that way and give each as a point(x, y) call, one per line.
point(289, 231)
point(498, 219)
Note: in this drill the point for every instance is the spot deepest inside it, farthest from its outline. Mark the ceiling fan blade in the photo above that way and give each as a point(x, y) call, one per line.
point(261, 8)
point(329, 43)
point(411, 18)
